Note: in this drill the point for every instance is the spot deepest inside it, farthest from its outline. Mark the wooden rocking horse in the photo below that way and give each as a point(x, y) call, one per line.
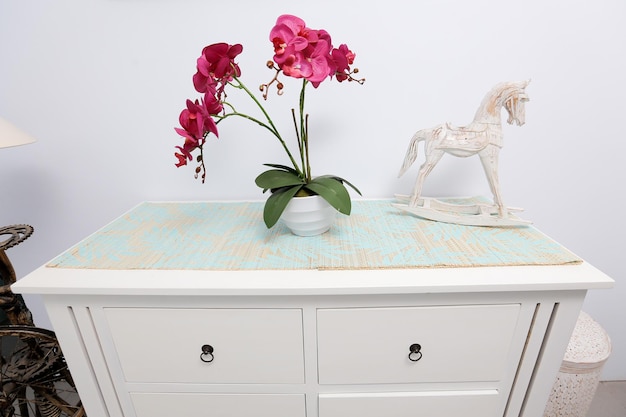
point(482, 137)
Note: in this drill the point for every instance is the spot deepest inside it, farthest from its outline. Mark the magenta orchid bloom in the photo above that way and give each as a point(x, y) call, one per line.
point(290, 32)
point(299, 52)
point(216, 66)
point(342, 58)
point(196, 120)
point(212, 104)
point(196, 123)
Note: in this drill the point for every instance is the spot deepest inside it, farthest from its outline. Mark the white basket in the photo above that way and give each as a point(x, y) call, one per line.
point(577, 381)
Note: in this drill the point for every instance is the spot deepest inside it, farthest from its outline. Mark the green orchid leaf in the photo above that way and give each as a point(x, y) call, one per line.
point(342, 180)
point(283, 167)
point(276, 203)
point(333, 191)
point(276, 178)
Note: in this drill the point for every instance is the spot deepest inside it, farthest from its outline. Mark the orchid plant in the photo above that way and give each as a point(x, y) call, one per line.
point(299, 52)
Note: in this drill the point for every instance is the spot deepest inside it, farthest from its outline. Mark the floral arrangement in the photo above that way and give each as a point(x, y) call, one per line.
point(299, 52)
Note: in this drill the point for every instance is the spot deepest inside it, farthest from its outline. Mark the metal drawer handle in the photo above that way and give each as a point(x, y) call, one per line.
point(415, 353)
point(207, 354)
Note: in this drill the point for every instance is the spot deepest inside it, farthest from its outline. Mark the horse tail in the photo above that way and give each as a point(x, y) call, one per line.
point(411, 153)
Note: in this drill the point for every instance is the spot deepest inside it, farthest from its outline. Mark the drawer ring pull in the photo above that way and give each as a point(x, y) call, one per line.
point(415, 353)
point(207, 354)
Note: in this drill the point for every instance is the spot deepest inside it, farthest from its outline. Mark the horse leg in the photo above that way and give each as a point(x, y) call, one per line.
point(489, 159)
point(431, 160)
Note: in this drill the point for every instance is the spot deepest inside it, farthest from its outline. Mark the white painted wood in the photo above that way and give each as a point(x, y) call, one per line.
point(88, 368)
point(311, 282)
point(532, 347)
point(113, 373)
point(458, 344)
point(464, 214)
point(410, 404)
point(484, 214)
point(219, 405)
point(555, 342)
point(250, 345)
point(482, 137)
point(290, 343)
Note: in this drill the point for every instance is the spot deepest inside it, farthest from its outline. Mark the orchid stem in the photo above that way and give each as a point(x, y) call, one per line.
point(304, 134)
point(271, 127)
point(306, 145)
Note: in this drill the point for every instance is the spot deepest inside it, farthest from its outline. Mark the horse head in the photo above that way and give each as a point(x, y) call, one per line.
point(514, 103)
point(510, 95)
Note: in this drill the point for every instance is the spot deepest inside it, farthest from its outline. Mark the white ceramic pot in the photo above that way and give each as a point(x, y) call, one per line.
point(308, 216)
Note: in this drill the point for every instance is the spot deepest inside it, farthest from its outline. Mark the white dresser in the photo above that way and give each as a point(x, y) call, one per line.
point(195, 309)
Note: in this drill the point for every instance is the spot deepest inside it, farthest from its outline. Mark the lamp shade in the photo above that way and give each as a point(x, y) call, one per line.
point(12, 136)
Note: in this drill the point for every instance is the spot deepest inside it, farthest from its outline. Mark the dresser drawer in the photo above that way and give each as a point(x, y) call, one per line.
point(248, 345)
point(218, 405)
point(410, 404)
point(372, 345)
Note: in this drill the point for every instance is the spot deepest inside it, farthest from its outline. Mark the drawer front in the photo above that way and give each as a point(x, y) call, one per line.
point(407, 404)
point(372, 345)
point(248, 345)
point(218, 405)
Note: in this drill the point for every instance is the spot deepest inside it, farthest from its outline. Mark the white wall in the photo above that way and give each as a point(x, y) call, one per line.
point(100, 84)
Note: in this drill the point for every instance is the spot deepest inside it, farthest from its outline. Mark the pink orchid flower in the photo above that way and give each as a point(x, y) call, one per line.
point(216, 65)
point(195, 121)
point(342, 58)
point(299, 51)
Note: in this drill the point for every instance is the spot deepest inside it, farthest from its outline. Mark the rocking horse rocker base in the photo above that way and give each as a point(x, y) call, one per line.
point(472, 214)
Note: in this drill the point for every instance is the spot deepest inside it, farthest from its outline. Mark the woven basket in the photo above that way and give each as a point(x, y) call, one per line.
point(577, 381)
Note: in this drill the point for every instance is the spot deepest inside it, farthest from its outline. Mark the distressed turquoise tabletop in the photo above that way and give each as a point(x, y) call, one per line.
point(231, 235)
